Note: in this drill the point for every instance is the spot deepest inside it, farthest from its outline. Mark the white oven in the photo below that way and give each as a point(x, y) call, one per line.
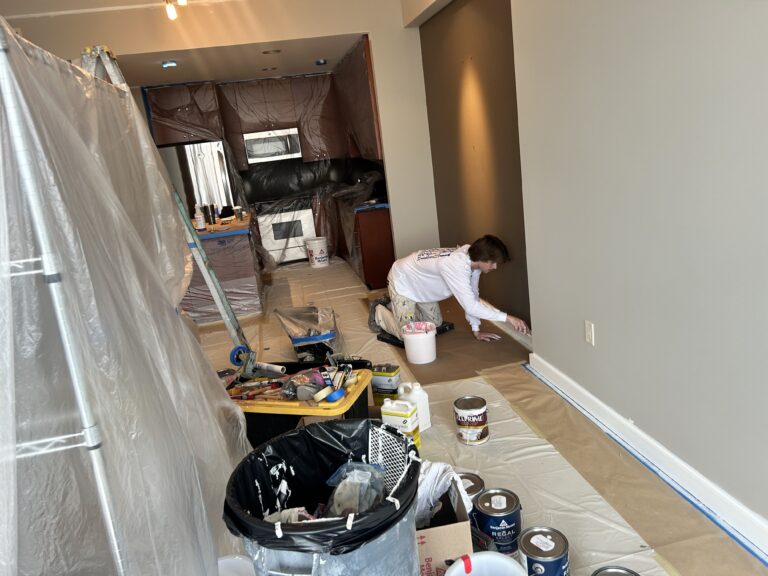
point(283, 234)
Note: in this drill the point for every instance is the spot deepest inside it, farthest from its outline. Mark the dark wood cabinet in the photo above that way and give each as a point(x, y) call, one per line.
point(183, 114)
point(265, 105)
point(353, 77)
point(321, 130)
point(230, 119)
point(372, 253)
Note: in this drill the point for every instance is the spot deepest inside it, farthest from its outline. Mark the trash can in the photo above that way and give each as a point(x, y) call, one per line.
point(291, 471)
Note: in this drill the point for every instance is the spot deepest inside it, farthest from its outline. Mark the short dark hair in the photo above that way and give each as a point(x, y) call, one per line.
point(488, 249)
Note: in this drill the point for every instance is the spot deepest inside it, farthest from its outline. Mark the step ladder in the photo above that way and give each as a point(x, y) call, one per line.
point(101, 63)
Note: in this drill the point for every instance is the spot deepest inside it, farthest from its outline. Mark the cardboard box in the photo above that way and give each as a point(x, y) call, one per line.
point(441, 543)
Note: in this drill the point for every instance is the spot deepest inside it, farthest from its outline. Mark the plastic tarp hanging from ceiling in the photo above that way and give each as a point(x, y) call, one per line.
point(80, 175)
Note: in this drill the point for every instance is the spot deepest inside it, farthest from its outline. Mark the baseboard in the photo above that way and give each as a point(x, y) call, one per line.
point(744, 525)
point(525, 340)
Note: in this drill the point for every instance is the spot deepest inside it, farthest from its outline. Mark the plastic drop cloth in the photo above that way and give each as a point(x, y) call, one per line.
point(552, 493)
point(170, 435)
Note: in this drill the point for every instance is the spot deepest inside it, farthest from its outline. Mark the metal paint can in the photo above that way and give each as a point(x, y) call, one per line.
point(471, 414)
point(472, 483)
point(544, 552)
point(614, 571)
point(497, 514)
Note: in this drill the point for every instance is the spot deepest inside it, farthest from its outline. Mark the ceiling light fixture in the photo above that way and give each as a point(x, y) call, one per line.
point(169, 64)
point(321, 62)
point(271, 51)
point(268, 69)
point(170, 10)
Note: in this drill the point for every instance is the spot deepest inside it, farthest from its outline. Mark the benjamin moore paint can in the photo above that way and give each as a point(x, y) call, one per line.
point(497, 514)
point(544, 552)
point(614, 571)
point(471, 420)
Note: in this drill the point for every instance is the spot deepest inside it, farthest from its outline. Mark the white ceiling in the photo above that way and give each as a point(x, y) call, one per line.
point(241, 62)
point(219, 63)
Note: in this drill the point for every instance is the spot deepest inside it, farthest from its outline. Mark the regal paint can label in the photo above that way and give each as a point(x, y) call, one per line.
point(544, 552)
point(497, 514)
point(471, 414)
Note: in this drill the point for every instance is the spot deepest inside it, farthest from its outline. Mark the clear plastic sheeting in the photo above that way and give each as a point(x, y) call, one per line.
point(552, 493)
point(82, 187)
point(312, 331)
point(294, 202)
point(291, 471)
point(235, 265)
point(392, 553)
point(242, 293)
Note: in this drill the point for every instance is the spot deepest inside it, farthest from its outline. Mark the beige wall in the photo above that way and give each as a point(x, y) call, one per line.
point(643, 130)
point(416, 12)
point(470, 84)
point(396, 55)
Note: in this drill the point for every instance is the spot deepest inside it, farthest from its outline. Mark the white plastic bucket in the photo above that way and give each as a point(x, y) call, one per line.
point(317, 252)
point(419, 340)
point(236, 565)
point(486, 564)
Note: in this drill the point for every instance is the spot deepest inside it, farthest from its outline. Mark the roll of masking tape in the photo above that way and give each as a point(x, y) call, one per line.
point(324, 392)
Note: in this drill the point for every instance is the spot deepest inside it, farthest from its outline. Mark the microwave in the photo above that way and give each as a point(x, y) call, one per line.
point(272, 145)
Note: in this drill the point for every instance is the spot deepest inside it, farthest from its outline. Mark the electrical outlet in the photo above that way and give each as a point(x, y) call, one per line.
point(589, 332)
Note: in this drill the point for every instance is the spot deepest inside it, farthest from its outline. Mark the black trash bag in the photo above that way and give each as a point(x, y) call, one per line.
point(290, 471)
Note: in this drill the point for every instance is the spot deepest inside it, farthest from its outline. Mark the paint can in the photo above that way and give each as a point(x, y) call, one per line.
point(497, 514)
point(544, 552)
point(614, 571)
point(471, 414)
point(472, 483)
point(317, 252)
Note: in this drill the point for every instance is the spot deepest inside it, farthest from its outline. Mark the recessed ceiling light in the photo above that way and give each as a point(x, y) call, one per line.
point(321, 62)
point(268, 69)
point(271, 51)
point(169, 64)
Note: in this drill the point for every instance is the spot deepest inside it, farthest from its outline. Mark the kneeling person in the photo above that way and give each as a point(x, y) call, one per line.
point(418, 282)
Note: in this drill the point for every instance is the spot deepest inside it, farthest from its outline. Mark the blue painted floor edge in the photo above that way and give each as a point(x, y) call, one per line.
point(734, 534)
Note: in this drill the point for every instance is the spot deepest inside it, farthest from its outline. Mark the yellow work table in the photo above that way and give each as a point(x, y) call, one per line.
point(269, 417)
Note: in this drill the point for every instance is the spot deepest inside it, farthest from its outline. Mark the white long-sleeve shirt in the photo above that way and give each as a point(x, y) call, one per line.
point(439, 273)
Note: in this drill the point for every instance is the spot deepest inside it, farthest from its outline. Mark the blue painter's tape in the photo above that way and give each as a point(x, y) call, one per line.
point(740, 538)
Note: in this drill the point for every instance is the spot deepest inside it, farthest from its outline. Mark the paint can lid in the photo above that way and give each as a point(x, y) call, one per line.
point(540, 543)
point(469, 403)
point(497, 502)
point(472, 483)
point(614, 571)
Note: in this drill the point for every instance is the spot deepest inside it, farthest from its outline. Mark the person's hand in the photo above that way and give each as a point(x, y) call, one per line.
point(518, 324)
point(486, 336)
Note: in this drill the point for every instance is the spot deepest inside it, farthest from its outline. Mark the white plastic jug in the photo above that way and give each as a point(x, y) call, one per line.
point(486, 564)
point(404, 416)
point(414, 393)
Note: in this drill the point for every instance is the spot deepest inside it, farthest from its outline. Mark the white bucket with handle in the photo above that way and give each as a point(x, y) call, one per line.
point(317, 252)
point(419, 340)
point(486, 564)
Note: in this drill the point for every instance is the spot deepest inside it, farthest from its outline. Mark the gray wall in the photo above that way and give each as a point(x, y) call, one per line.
point(644, 146)
point(470, 85)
